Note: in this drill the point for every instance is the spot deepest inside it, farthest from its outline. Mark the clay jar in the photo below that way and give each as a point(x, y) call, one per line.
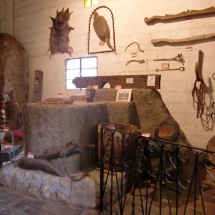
point(118, 145)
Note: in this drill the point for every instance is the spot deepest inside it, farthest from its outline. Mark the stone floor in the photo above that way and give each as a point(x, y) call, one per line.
point(165, 209)
point(14, 203)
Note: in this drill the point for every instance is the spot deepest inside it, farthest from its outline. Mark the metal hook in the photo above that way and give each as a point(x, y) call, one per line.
point(213, 76)
point(180, 69)
point(138, 45)
point(179, 58)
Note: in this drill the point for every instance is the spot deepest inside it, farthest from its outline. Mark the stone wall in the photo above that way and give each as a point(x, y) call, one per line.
point(53, 126)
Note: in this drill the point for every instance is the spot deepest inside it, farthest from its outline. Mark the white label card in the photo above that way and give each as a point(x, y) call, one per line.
point(124, 95)
point(129, 80)
point(30, 155)
point(151, 80)
point(118, 87)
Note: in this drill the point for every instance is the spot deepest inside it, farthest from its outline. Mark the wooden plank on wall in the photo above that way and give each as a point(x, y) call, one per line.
point(126, 81)
point(9, 17)
point(38, 85)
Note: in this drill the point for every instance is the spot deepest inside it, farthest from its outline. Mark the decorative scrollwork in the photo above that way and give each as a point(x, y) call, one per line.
point(158, 171)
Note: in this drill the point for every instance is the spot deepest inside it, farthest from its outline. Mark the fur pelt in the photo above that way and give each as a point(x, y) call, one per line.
point(59, 36)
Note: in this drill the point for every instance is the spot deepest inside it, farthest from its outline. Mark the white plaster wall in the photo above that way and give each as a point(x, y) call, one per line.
point(2, 16)
point(31, 27)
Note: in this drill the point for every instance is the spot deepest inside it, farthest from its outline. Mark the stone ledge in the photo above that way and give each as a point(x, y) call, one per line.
point(80, 191)
point(36, 183)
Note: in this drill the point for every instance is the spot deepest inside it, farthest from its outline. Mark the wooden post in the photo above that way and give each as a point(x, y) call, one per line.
point(38, 85)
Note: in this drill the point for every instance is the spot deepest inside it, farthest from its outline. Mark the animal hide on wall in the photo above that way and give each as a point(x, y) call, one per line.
point(103, 26)
point(59, 36)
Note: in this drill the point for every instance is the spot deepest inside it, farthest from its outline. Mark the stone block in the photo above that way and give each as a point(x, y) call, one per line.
point(151, 109)
point(105, 95)
point(52, 127)
point(122, 112)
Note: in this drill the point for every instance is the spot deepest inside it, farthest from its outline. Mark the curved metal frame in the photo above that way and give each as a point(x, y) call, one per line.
point(88, 42)
point(162, 178)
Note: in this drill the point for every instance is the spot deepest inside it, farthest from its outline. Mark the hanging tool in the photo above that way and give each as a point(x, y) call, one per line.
point(213, 110)
point(213, 76)
point(199, 88)
point(91, 20)
point(138, 46)
point(180, 69)
point(179, 58)
point(138, 61)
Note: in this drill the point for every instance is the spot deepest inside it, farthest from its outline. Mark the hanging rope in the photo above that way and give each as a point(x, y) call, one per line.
point(199, 88)
point(198, 94)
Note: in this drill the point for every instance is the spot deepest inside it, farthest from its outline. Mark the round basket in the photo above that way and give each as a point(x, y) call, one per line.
point(118, 141)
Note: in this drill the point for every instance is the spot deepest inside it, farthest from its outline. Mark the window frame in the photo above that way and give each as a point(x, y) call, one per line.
point(80, 69)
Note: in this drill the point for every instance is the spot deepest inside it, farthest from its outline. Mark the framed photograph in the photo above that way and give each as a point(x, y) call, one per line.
point(124, 95)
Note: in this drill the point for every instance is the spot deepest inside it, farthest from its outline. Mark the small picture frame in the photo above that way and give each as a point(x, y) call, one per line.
point(124, 95)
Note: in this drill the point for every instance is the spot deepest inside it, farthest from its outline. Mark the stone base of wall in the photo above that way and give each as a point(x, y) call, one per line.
point(81, 189)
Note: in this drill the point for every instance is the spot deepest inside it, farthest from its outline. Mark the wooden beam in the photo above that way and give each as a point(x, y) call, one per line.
point(126, 81)
point(198, 38)
point(38, 85)
point(183, 15)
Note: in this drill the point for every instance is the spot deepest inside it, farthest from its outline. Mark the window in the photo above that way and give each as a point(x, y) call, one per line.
point(88, 3)
point(79, 67)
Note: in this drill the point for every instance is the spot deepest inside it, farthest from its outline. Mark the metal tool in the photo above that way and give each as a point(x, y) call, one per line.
point(213, 110)
point(179, 58)
point(180, 69)
point(138, 61)
point(138, 46)
point(199, 87)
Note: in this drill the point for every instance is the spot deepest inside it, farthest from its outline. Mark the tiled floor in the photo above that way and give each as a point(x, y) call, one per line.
point(13, 203)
